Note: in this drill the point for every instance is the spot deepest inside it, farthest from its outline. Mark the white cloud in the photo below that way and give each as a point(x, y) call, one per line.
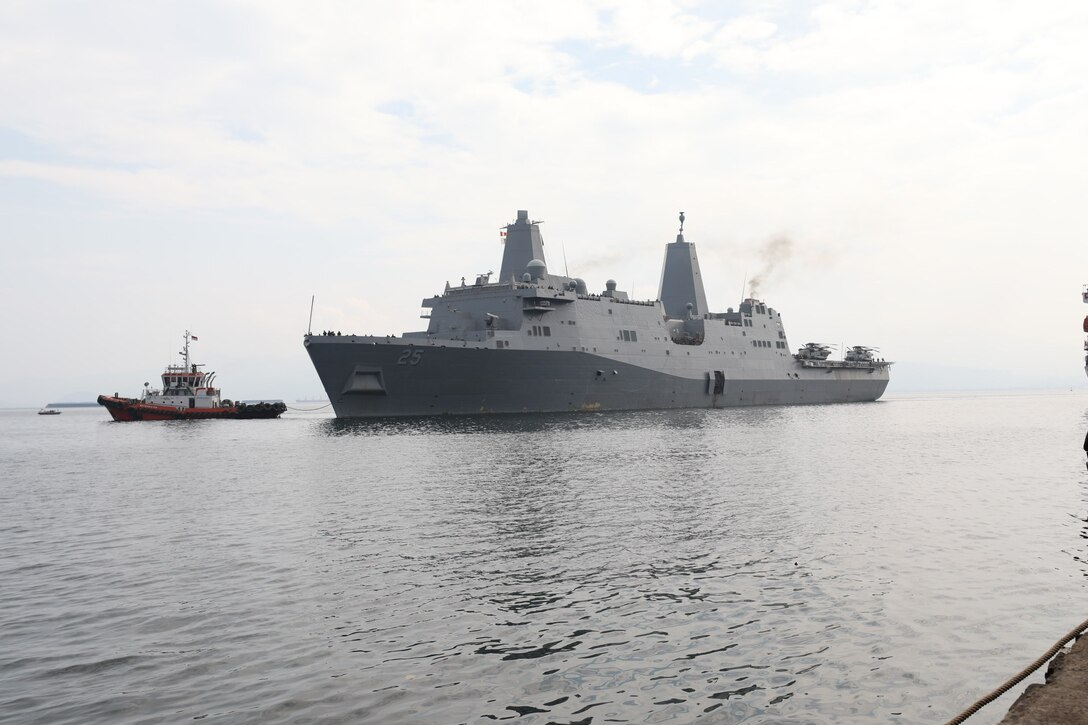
point(937, 151)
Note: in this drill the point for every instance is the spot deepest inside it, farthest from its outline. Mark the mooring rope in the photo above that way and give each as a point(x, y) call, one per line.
point(309, 410)
point(1021, 675)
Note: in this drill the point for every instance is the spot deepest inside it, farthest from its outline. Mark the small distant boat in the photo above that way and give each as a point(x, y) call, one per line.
point(48, 411)
point(187, 393)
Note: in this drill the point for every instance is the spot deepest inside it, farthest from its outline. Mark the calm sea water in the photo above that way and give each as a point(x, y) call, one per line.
point(869, 563)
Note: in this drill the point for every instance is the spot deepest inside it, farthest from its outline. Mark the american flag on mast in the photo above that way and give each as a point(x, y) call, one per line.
point(502, 236)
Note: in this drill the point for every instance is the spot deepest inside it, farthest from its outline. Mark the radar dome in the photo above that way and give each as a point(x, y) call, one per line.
point(537, 268)
point(610, 285)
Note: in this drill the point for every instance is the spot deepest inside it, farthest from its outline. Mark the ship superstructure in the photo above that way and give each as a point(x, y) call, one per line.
point(534, 341)
point(184, 385)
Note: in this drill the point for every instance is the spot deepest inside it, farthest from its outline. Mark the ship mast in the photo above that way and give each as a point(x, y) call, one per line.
point(185, 350)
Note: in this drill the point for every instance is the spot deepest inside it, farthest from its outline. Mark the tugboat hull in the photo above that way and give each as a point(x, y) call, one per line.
point(130, 409)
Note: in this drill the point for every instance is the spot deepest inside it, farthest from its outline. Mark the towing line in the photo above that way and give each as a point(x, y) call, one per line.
point(1073, 634)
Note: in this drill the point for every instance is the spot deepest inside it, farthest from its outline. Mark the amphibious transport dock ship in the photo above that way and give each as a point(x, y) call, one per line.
point(534, 341)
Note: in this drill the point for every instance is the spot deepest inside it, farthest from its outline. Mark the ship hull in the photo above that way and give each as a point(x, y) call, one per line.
point(130, 409)
point(373, 377)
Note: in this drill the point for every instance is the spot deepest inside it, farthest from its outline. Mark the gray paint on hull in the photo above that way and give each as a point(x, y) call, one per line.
point(458, 380)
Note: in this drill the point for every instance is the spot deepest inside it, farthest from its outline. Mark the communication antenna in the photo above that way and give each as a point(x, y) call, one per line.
point(742, 286)
point(563, 246)
point(310, 324)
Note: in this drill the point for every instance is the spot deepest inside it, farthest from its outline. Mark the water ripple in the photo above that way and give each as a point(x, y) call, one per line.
point(785, 565)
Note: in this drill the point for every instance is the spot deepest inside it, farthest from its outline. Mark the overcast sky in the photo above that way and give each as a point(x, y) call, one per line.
point(210, 166)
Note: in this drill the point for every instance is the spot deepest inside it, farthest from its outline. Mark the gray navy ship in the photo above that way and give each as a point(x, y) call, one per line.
point(535, 341)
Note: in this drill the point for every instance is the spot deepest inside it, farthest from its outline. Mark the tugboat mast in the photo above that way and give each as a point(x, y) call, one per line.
point(185, 350)
point(188, 366)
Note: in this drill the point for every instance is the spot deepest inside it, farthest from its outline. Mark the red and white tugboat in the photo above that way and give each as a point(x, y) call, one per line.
point(186, 393)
